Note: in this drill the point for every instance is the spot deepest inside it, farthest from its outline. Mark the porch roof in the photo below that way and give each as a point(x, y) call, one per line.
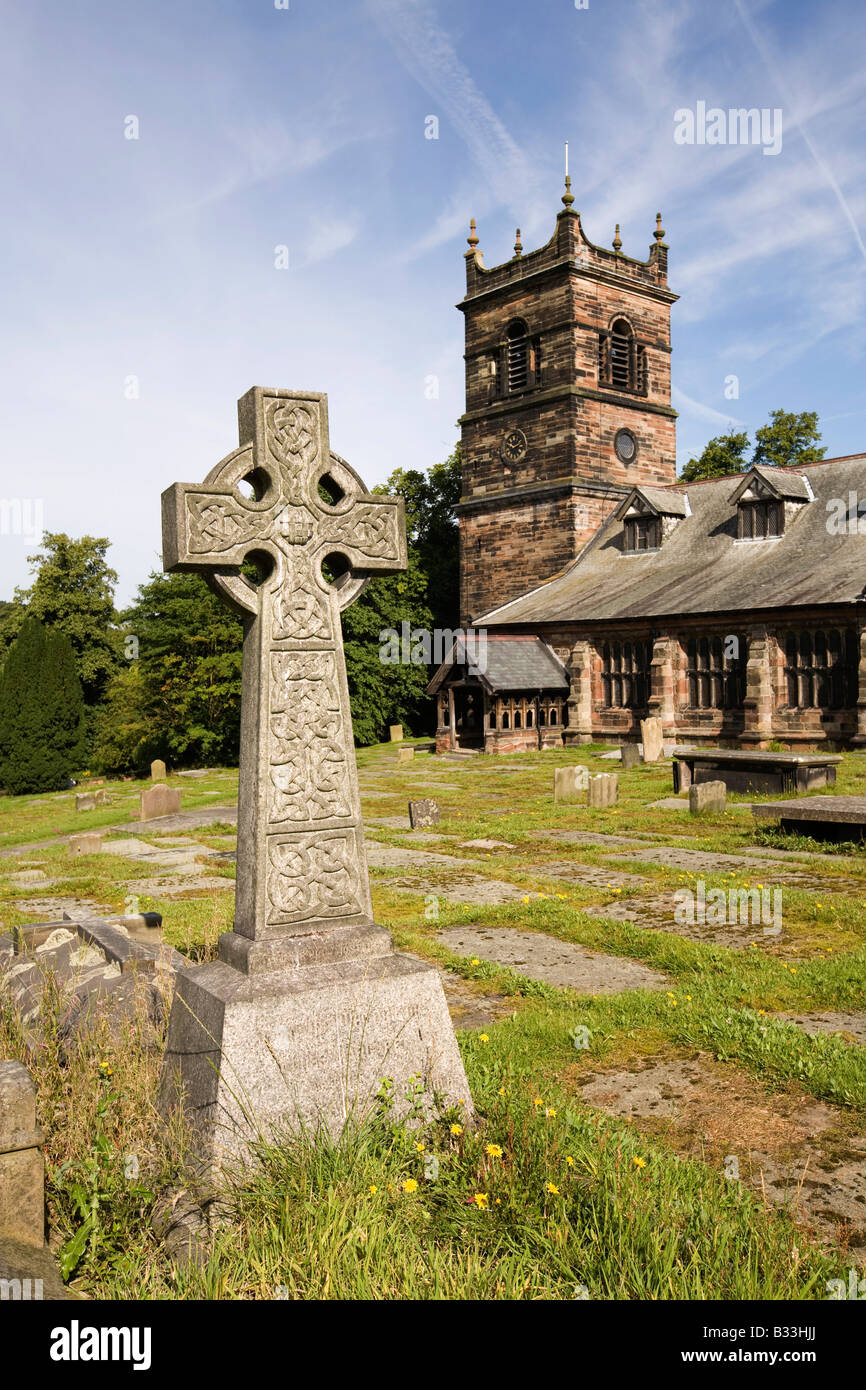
point(505, 662)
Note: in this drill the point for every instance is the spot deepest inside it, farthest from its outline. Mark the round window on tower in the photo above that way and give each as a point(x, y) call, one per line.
point(625, 446)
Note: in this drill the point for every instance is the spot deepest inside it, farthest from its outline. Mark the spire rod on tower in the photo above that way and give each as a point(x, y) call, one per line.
point(568, 196)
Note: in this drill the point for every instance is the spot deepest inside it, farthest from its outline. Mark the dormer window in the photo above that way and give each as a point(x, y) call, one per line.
point(650, 516)
point(759, 520)
point(642, 533)
point(768, 500)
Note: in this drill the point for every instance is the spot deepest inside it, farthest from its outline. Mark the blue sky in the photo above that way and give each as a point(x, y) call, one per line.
point(305, 127)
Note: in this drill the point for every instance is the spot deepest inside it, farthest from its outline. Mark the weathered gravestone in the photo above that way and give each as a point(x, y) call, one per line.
point(652, 739)
point(159, 801)
point(405, 755)
point(423, 813)
point(630, 756)
point(157, 770)
point(603, 789)
point(570, 783)
point(91, 801)
point(308, 1007)
point(22, 1174)
point(395, 732)
point(707, 796)
point(90, 842)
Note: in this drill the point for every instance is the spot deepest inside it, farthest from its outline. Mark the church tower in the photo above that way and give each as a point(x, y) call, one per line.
point(568, 403)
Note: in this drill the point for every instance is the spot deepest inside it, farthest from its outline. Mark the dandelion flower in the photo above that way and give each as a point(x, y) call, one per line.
point(493, 1151)
point(373, 1188)
point(550, 1112)
point(483, 1037)
point(552, 1188)
point(410, 1185)
point(456, 1129)
point(538, 1101)
point(639, 1162)
point(480, 1200)
point(419, 1148)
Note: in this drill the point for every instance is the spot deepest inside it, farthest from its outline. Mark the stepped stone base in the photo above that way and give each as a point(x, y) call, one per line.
point(260, 1054)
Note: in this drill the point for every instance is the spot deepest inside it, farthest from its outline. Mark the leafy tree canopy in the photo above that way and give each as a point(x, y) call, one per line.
point(787, 440)
point(73, 593)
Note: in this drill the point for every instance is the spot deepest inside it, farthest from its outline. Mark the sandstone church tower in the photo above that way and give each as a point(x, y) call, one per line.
point(568, 387)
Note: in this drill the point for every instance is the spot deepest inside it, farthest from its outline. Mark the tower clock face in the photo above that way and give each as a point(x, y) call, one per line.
point(513, 446)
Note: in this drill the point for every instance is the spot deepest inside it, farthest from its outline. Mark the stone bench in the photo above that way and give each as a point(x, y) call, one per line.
point(751, 771)
point(821, 817)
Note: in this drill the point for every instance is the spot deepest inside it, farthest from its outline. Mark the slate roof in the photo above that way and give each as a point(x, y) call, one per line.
point(702, 567)
point(512, 663)
point(665, 500)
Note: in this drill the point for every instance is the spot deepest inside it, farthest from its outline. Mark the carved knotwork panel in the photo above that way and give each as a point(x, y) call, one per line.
point(313, 875)
point(307, 755)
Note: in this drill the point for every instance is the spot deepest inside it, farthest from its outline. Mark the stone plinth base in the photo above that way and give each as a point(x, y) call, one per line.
point(260, 1054)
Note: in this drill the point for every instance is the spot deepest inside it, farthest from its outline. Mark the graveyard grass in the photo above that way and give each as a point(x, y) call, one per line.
point(548, 1197)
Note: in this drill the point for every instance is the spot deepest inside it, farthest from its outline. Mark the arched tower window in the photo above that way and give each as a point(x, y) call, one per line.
point(516, 357)
point(621, 355)
point(621, 359)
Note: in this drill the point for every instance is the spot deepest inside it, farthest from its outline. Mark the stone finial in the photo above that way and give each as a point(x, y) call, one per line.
point(568, 196)
point(518, 244)
point(617, 240)
point(659, 231)
point(473, 236)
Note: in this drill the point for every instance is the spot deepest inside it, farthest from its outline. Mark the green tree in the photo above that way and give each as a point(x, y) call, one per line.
point(384, 692)
point(42, 726)
point(73, 592)
point(180, 698)
point(722, 455)
point(432, 531)
point(789, 440)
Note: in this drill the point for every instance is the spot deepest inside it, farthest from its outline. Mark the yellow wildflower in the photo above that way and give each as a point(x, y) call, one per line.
point(456, 1129)
point(410, 1185)
point(493, 1150)
point(480, 1200)
point(552, 1188)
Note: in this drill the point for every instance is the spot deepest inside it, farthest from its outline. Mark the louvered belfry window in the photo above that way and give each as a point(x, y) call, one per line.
point(621, 356)
point(516, 358)
point(622, 361)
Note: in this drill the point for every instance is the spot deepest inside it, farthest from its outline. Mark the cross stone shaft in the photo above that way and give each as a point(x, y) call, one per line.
point(301, 865)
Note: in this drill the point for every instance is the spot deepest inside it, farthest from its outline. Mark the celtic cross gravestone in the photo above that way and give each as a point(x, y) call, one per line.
point(308, 1007)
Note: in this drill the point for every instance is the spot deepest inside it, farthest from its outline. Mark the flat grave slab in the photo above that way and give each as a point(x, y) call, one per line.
point(824, 817)
point(851, 1027)
point(707, 1114)
point(659, 914)
point(543, 957)
point(382, 856)
point(704, 862)
point(470, 1009)
point(586, 837)
point(462, 888)
point(587, 875)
